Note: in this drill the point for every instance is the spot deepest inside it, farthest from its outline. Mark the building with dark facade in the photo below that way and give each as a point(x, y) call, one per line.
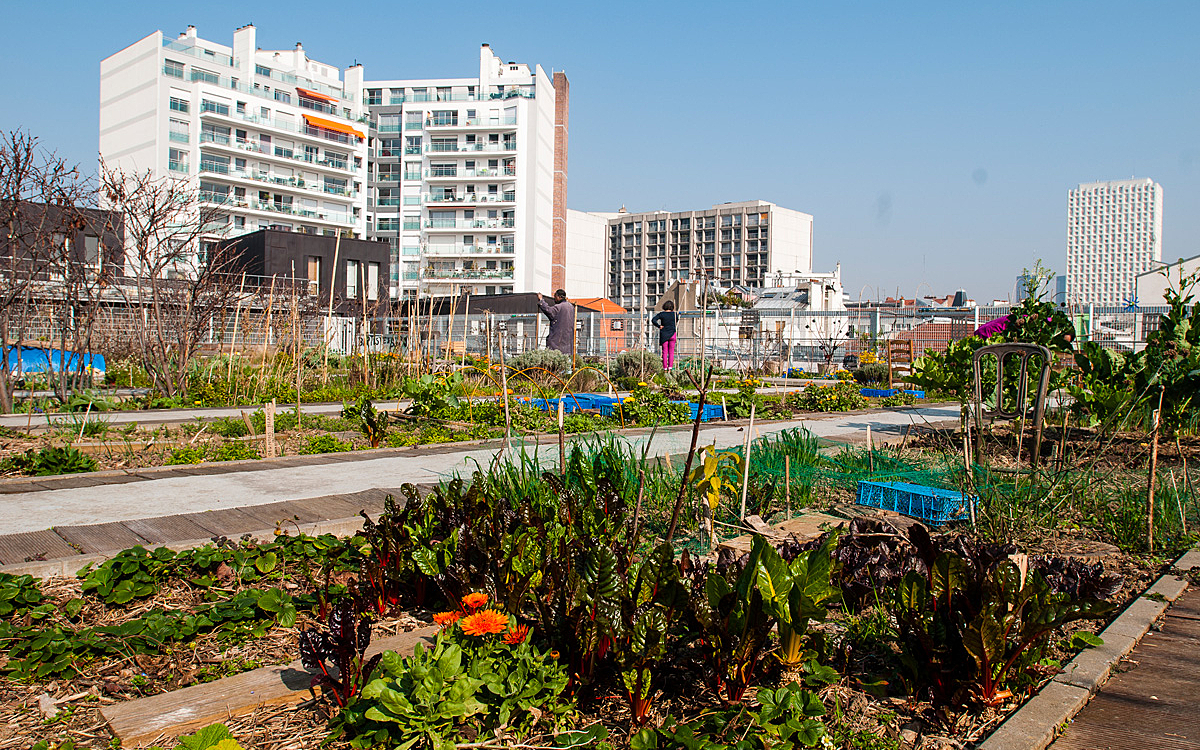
point(38, 239)
point(354, 271)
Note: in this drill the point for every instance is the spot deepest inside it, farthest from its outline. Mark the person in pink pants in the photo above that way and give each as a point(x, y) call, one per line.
point(665, 323)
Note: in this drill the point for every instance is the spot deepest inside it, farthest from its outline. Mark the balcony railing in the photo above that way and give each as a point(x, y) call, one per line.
point(508, 197)
point(280, 125)
point(179, 137)
point(472, 122)
point(436, 172)
point(178, 166)
point(525, 92)
point(279, 208)
point(444, 148)
point(199, 53)
point(470, 223)
point(470, 250)
point(299, 183)
point(461, 273)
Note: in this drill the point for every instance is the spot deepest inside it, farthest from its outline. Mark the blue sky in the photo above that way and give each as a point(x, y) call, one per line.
point(934, 143)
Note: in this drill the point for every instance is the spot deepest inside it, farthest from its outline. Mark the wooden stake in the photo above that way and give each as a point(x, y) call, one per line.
point(270, 310)
point(269, 432)
point(1153, 476)
point(746, 466)
point(870, 451)
point(787, 483)
point(562, 443)
point(237, 312)
point(504, 387)
point(1179, 502)
point(337, 246)
point(466, 326)
point(637, 509)
point(724, 409)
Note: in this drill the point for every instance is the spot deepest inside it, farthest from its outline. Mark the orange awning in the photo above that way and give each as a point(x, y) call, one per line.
point(314, 95)
point(337, 127)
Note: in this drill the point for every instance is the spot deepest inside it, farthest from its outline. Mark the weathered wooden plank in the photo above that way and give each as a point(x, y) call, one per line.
point(327, 507)
point(100, 537)
point(167, 529)
point(271, 514)
point(32, 545)
point(146, 720)
point(231, 522)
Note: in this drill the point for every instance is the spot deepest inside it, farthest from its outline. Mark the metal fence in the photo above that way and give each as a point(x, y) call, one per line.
point(737, 338)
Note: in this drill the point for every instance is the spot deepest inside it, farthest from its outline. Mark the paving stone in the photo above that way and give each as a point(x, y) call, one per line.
point(100, 537)
point(1191, 559)
point(1135, 621)
point(1169, 587)
point(16, 548)
point(1091, 667)
point(1034, 725)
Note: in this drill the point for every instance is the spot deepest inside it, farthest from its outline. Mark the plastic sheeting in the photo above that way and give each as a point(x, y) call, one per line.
point(41, 360)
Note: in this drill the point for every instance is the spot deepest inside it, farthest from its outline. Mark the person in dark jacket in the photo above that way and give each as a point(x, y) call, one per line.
point(665, 323)
point(562, 322)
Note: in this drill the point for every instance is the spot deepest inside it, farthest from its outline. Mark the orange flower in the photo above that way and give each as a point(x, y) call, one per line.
point(446, 619)
point(484, 622)
point(474, 601)
point(553, 654)
point(516, 635)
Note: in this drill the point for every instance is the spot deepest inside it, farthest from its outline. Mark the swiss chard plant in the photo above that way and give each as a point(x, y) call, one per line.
point(795, 593)
point(337, 654)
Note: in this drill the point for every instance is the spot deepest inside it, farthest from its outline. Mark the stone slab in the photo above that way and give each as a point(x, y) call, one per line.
point(147, 720)
point(1091, 667)
point(100, 537)
point(1035, 725)
point(47, 545)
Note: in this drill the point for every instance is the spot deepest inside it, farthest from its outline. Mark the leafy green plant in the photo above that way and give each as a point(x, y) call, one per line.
point(795, 593)
point(637, 365)
point(236, 450)
point(324, 444)
point(229, 427)
point(372, 423)
point(131, 574)
point(551, 360)
point(211, 737)
point(844, 395)
point(18, 593)
point(647, 407)
point(875, 372)
point(338, 652)
point(740, 403)
point(48, 461)
point(187, 455)
point(432, 396)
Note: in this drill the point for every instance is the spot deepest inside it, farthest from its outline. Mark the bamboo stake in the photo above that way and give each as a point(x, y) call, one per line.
point(724, 409)
point(870, 451)
point(968, 478)
point(337, 246)
point(466, 325)
point(562, 444)
point(237, 311)
point(270, 310)
point(296, 334)
point(746, 466)
point(504, 387)
point(787, 483)
point(637, 510)
point(1179, 501)
point(1152, 476)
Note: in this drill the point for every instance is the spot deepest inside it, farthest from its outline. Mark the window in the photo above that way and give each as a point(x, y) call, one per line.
point(372, 281)
point(351, 278)
point(283, 96)
point(207, 105)
point(314, 272)
point(262, 71)
point(178, 105)
point(173, 69)
point(178, 131)
point(91, 250)
point(177, 160)
point(205, 76)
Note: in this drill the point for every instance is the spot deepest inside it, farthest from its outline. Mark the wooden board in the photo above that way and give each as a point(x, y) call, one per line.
point(15, 548)
point(167, 529)
point(100, 537)
point(231, 522)
point(271, 514)
point(148, 720)
point(328, 507)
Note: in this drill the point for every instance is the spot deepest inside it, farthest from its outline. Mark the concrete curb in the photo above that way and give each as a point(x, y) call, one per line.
point(69, 566)
point(1035, 725)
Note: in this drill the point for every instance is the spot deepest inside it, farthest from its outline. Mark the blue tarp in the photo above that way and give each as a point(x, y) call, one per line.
point(42, 360)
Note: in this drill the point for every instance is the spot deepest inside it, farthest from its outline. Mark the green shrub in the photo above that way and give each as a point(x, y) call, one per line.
point(638, 365)
point(191, 454)
point(843, 396)
point(325, 444)
point(285, 420)
point(48, 462)
point(229, 427)
point(547, 359)
point(649, 407)
point(876, 372)
point(236, 450)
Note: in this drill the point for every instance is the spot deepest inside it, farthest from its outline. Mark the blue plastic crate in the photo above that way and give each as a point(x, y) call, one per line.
point(918, 394)
point(930, 504)
point(877, 392)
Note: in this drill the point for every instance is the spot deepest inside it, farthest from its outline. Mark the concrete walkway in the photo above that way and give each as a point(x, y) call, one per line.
point(79, 500)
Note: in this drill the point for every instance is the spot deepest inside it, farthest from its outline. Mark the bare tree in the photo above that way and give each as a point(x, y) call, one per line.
point(174, 290)
point(42, 198)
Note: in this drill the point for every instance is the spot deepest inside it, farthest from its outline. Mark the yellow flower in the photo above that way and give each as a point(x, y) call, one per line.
point(641, 383)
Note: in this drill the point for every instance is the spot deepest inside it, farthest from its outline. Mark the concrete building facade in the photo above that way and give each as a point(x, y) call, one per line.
point(276, 139)
point(1152, 285)
point(1114, 233)
point(465, 181)
point(746, 243)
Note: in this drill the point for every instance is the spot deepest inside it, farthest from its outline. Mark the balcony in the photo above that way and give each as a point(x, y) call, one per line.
point(199, 53)
point(331, 217)
point(465, 224)
point(436, 198)
point(470, 122)
point(461, 273)
point(307, 130)
point(179, 137)
point(455, 250)
point(255, 147)
point(451, 148)
point(295, 183)
point(454, 173)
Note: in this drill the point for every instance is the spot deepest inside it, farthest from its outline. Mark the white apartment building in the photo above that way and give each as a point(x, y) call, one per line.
point(748, 243)
point(274, 137)
point(468, 179)
point(1114, 233)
